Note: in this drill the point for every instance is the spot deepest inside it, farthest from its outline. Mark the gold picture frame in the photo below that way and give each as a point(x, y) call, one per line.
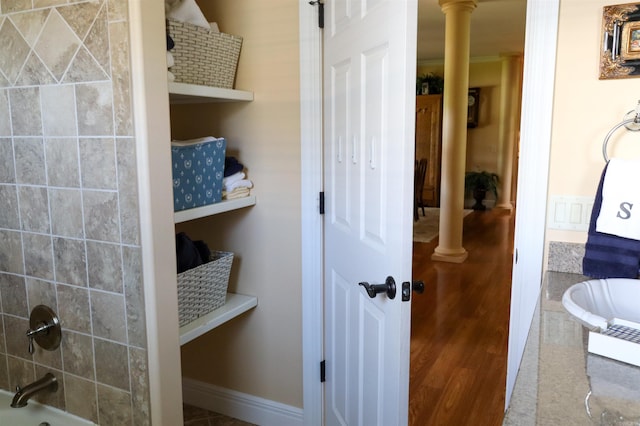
point(620, 55)
point(630, 48)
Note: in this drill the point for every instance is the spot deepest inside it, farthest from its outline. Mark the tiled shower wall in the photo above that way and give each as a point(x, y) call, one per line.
point(69, 227)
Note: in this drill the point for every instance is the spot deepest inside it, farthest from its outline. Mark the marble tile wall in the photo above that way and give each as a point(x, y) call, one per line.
point(69, 234)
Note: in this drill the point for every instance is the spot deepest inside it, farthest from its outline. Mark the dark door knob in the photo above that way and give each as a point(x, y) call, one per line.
point(418, 286)
point(388, 287)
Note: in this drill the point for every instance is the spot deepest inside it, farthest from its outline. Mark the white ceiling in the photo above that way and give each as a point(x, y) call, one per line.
point(497, 26)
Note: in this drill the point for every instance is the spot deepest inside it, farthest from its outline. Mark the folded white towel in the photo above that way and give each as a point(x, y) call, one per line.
point(620, 211)
point(193, 141)
point(233, 178)
point(236, 193)
point(170, 76)
point(188, 11)
point(214, 27)
point(170, 61)
point(243, 183)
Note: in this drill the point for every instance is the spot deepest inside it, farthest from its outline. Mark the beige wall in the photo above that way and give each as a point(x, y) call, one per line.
point(259, 353)
point(482, 141)
point(585, 108)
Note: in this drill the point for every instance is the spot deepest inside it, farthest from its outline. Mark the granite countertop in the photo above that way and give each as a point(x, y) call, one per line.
point(559, 381)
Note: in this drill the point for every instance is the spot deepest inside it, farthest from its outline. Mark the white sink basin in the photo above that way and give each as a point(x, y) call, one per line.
point(610, 309)
point(596, 303)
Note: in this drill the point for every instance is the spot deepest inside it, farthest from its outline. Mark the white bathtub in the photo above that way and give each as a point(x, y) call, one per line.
point(35, 414)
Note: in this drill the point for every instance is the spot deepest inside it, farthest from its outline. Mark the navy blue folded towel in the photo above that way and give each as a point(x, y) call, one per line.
point(190, 254)
point(606, 255)
point(232, 166)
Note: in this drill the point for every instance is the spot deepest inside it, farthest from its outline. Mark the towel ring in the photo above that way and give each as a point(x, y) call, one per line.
point(633, 114)
point(611, 132)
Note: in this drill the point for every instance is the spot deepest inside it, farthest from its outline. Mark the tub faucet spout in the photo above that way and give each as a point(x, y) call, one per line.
point(47, 383)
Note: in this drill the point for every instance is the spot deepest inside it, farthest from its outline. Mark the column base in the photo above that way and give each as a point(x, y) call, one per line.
point(451, 257)
point(504, 206)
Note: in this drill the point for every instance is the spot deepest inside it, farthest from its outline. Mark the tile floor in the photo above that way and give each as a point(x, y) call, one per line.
point(194, 416)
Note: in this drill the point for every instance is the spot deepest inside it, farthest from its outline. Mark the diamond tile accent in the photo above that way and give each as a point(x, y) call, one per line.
point(57, 45)
point(84, 68)
point(97, 40)
point(80, 16)
point(34, 73)
point(30, 24)
point(13, 50)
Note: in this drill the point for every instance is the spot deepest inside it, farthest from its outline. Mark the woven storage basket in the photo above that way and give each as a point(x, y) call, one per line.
point(204, 288)
point(203, 57)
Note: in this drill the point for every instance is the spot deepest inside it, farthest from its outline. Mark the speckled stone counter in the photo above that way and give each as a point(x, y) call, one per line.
point(559, 382)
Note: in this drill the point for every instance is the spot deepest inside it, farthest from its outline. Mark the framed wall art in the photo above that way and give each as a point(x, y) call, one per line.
point(620, 56)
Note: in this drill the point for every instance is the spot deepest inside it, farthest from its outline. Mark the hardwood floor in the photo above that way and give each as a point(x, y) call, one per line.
point(460, 327)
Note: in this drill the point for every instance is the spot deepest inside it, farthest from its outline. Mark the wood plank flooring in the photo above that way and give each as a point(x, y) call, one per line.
point(460, 327)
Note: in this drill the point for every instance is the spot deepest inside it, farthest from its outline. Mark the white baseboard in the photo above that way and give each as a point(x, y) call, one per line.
point(242, 406)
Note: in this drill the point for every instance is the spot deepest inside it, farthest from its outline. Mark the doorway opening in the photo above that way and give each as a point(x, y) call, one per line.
point(460, 325)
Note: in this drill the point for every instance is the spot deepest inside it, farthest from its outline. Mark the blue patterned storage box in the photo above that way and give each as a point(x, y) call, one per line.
point(198, 169)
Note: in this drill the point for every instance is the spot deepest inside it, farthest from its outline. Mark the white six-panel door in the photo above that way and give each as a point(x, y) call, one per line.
point(369, 75)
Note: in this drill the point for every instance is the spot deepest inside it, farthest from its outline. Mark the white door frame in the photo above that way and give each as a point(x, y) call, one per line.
point(533, 175)
point(542, 20)
point(311, 185)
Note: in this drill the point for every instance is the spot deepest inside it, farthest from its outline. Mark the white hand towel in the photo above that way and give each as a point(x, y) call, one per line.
point(243, 183)
point(188, 11)
point(233, 178)
point(170, 76)
point(170, 61)
point(620, 211)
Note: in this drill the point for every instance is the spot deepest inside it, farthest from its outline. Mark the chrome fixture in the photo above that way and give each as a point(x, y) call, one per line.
point(45, 328)
point(47, 383)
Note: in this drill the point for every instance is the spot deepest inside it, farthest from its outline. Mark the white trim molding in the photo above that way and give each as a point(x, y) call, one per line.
point(533, 175)
point(311, 185)
point(155, 197)
point(240, 405)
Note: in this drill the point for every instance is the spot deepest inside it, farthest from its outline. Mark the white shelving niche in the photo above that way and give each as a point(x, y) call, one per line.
point(236, 304)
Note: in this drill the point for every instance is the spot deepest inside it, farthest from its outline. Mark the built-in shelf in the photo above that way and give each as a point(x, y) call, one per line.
point(183, 93)
point(211, 209)
point(236, 304)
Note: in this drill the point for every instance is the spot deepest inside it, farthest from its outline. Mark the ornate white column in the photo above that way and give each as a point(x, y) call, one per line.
point(509, 113)
point(454, 128)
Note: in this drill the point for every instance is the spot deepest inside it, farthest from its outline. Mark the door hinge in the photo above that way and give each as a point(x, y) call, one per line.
point(321, 200)
point(320, 12)
point(322, 371)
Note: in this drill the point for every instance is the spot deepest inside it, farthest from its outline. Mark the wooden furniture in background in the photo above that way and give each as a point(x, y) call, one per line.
point(419, 172)
point(429, 144)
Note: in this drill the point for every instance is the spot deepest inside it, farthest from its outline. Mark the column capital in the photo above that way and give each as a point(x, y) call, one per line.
point(460, 5)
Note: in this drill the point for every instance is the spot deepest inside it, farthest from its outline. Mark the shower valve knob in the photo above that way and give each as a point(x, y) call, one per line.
point(45, 329)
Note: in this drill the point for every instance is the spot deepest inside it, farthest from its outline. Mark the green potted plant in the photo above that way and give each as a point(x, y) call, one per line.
point(434, 82)
point(478, 183)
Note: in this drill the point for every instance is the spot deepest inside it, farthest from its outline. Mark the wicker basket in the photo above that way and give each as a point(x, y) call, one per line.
point(203, 57)
point(204, 288)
